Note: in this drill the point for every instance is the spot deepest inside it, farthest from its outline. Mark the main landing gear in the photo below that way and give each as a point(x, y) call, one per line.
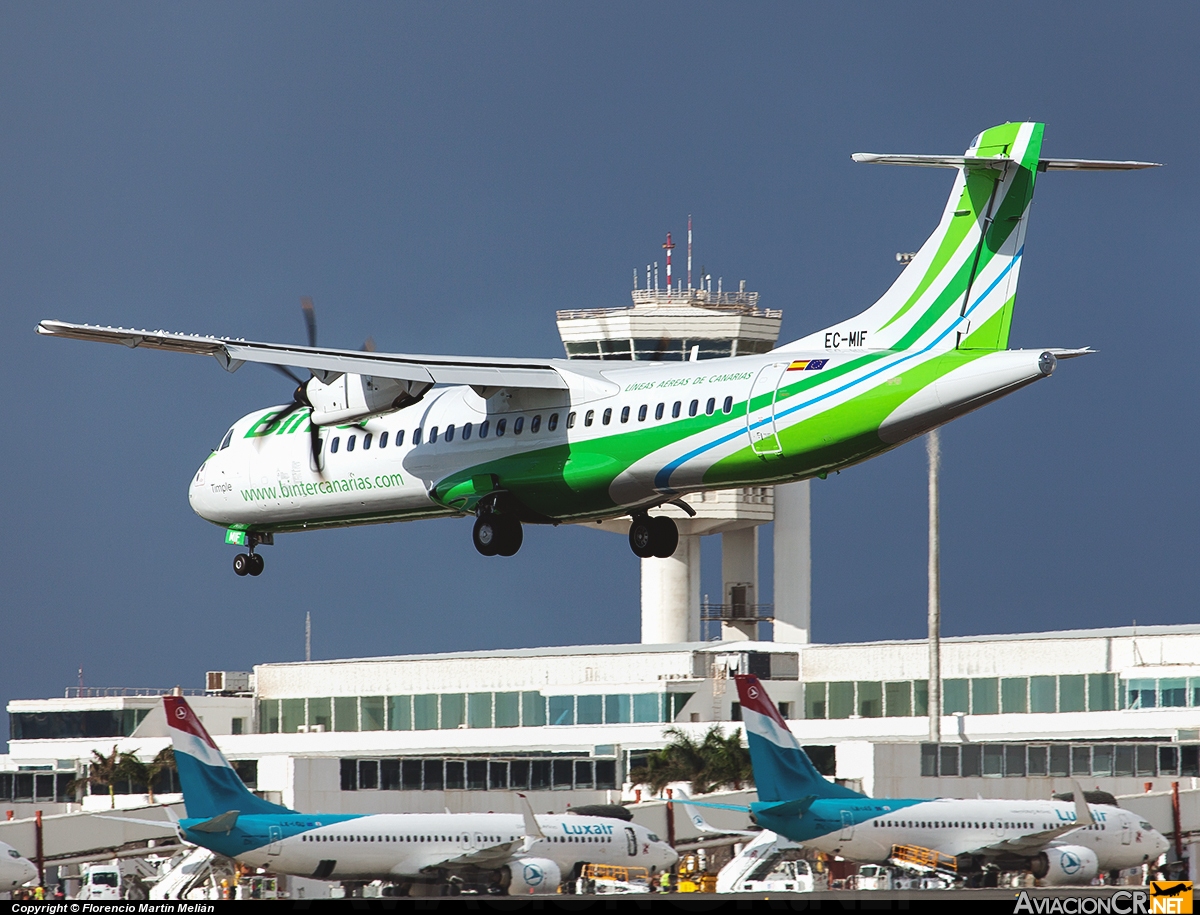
point(653, 537)
point(248, 563)
point(497, 535)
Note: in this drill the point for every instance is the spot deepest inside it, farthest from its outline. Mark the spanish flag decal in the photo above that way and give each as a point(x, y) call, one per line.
point(807, 365)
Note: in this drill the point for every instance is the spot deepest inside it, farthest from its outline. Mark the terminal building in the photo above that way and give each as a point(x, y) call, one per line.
point(1024, 715)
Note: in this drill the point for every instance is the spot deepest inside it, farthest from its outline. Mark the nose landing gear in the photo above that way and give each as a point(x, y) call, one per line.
point(653, 537)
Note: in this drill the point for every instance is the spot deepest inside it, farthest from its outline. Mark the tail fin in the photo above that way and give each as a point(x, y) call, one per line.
point(782, 770)
point(211, 787)
point(958, 291)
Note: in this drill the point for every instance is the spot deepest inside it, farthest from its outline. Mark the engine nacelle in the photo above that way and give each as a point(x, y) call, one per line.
point(533, 876)
point(1065, 865)
point(348, 398)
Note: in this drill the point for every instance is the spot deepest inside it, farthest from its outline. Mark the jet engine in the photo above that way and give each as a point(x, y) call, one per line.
point(351, 397)
point(1065, 865)
point(531, 876)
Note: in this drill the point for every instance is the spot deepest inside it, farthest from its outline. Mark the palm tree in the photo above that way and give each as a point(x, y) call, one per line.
point(102, 772)
point(715, 761)
point(163, 762)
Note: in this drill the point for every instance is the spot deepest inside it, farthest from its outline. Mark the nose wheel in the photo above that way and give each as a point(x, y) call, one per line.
point(248, 564)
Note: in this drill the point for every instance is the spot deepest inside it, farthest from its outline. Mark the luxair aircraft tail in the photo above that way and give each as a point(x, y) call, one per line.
point(959, 289)
point(211, 787)
point(782, 770)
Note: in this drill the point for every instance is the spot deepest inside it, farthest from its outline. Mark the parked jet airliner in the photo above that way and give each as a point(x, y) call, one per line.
point(1060, 843)
point(15, 870)
point(373, 437)
point(510, 853)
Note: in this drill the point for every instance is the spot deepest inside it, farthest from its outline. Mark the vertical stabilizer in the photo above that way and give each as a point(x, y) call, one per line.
point(782, 770)
point(211, 787)
point(959, 289)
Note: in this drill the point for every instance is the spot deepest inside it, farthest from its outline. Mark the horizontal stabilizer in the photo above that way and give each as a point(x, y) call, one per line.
point(1044, 165)
point(793, 808)
point(222, 823)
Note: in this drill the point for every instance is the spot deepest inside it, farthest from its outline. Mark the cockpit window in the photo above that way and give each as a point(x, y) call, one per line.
point(13, 853)
point(654, 838)
point(226, 440)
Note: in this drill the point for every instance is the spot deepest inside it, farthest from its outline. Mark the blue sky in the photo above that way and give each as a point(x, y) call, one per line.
point(443, 177)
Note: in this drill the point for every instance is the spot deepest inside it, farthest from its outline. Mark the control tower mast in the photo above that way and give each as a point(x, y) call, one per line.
point(675, 324)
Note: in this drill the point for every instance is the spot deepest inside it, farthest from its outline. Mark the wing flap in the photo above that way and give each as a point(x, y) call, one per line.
point(492, 856)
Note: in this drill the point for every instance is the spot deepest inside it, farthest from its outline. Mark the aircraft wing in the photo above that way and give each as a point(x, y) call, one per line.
point(326, 364)
point(492, 856)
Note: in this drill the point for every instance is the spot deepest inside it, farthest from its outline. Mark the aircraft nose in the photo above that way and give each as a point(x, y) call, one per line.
point(31, 873)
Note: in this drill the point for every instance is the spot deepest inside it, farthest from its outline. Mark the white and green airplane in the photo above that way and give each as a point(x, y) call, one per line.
point(373, 437)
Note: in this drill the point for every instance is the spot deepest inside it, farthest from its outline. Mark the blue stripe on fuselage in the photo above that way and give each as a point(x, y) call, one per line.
point(253, 832)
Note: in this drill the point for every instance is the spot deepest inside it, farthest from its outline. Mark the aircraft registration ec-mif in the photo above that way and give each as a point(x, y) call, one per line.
point(373, 437)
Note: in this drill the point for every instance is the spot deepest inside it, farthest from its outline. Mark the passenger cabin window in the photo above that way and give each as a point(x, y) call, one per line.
point(552, 422)
point(450, 433)
point(570, 420)
point(226, 440)
point(416, 439)
point(658, 411)
point(711, 406)
point(607, 416)
point(535, 424)
point(625, 414)
point(433, 435)
point(466, 431)
point(642, 413)
point(333, 446)
point(518, 425)
point(399, 437)
point(587, 420)
point(350, 442)
point(675, 409)
point(383, 437)
point(693, 408)
point(367, 441)
point(483, 429)
point(500, 424)
point(727, 407)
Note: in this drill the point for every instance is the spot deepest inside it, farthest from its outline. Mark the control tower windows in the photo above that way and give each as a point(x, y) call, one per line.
point(607, 416)
point(624, 414)
point(693, 408)
point(642, 413)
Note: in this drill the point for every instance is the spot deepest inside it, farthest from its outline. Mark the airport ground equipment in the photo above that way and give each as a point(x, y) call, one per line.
point(371, 437)
point(612, 880)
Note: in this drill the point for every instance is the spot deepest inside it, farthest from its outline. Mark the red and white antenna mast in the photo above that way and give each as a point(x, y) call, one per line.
point(669, 246)
point(689, 252)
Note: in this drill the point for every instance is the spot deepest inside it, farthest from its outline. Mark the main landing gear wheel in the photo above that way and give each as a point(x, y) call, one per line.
point(497, 535)
point(248, 564)
point(653, 537)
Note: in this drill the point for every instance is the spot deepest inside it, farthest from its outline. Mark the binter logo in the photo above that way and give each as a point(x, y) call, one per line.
point(1171, 896)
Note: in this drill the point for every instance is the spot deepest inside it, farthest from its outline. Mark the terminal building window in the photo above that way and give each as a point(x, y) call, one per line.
point(446, 711)
point(993, 695)
point(1060, 760)
point(67, 725)
point(479, 774)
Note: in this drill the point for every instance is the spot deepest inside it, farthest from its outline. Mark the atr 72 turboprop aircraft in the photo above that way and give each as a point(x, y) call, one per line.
point(508, 853)
point(371, 436)
point(1060, 843)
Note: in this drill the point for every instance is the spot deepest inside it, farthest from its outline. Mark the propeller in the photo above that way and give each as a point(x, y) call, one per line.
point(300, 395)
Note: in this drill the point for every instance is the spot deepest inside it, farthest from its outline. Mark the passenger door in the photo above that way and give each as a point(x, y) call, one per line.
point(275, 840)
point(847, 825)
point(760, 418)
point(631, 841)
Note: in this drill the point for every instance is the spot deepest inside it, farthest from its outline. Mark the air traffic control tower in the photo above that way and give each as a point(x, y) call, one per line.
point(676, 323)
